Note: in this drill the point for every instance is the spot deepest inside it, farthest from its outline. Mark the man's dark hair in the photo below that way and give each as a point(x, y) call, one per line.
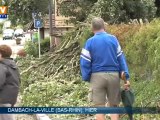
point(97, 24)
point(5, 51)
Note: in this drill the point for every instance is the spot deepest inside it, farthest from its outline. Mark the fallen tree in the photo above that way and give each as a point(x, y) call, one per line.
point(54, 79)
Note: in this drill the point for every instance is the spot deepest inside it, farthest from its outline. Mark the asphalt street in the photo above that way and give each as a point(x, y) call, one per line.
point(12, 43)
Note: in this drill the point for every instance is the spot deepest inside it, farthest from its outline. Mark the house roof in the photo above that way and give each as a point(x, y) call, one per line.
point(57, 22)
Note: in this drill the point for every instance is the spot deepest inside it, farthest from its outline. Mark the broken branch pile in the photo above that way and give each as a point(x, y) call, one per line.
point(54, 79)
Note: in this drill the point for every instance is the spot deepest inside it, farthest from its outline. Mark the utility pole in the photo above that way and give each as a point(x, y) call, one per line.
point(50, 23)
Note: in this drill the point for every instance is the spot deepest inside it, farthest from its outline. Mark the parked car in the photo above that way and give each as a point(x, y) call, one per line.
point(19, 33)
point(8, 34)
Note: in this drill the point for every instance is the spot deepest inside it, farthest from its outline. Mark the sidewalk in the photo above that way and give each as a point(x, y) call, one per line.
point(23, 116)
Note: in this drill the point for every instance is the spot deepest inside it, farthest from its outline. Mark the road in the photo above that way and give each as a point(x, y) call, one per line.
point(12, 43)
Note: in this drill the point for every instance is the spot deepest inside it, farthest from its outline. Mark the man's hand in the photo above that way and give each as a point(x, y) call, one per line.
point(126, 82)
point(127, 85)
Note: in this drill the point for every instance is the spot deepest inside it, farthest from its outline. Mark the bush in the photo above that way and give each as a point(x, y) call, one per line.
point(45, 45)
point(1, 26)
point(31, 48)
point(143, 51)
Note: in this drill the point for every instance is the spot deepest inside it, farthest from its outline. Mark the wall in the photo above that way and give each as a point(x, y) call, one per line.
point(46, 33)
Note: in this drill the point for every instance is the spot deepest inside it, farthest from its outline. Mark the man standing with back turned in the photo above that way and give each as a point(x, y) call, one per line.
point(102, 62)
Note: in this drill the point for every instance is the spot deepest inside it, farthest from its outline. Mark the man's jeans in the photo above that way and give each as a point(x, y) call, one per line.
point(6, 116)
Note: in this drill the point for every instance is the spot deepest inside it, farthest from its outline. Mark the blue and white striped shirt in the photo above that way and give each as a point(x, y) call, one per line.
point(102, 53)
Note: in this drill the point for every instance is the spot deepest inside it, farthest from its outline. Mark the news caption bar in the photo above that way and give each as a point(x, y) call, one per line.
point(3, 16)
point(78, 110)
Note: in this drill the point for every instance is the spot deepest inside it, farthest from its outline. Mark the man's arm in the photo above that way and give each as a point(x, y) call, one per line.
point(2, 76)
point(122, 62)
point(85, 62)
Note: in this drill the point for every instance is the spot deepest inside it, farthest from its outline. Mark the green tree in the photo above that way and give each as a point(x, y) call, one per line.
point(113, 11)
point(20, 11)
point(157, 4)
point(136, 9)
point(5, 2)
point(76, 8)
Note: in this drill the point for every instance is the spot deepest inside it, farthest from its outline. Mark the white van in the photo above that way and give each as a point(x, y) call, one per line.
point(19, 33)
point(8, 34)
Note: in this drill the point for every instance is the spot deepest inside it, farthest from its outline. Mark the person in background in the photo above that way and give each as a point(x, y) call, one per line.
point(102, 61)
point(9, 81)
point(21, 53)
